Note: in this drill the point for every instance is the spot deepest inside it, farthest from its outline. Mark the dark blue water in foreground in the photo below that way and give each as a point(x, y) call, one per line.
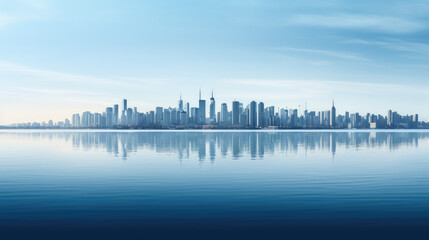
point(214, 185)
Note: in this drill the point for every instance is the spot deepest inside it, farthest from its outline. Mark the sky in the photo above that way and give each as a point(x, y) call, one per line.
point(63, 57)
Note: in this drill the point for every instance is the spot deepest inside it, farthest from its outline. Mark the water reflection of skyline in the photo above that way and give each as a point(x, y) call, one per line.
point(209, 145)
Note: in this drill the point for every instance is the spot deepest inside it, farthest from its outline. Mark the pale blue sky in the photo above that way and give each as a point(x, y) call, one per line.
point(61, 57)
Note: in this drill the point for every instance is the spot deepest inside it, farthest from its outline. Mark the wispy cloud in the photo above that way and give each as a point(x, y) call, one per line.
point(22, 11)
point(6, 20)
point(394, 44)
point(61, 92)
point(336, 54)
point(54, 76)
point(376, 23)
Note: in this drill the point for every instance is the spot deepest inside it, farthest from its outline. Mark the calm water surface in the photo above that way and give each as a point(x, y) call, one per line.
point(214, 185)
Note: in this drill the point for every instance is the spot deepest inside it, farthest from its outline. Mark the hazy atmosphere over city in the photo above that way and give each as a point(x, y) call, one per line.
point(63, 57)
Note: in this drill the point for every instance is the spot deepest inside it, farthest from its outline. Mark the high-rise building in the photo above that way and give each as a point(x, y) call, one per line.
point(86, 119)
point(180, 103)
point(115, 114)
point(416, 121)
point(284, 117)
point(135, 116)
point(109, 117)
point(124, 112)
point(130, 117)
point(223, 113)
point(97, 120)
point(158, 115)
point(261, 115)
point(333, 116)
point(67, 123)
point(174, 116)
point(124, 118)
point(201, 110)
point(195, 116)
point(151, 118)
point(76, 120)
point(212, 108)
point(183, 118)
point(253, 120)
point(235, 113)
point(124, 105)
point(166, 119)
point(390, 118)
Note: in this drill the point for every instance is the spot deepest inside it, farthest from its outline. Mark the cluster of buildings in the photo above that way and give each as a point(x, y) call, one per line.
point(236, 116)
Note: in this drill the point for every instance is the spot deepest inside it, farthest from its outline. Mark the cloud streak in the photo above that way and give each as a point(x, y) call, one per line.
point(7, 20)
point(374, 23)
point(396, 45)
point(47, 75)
point(335, 54)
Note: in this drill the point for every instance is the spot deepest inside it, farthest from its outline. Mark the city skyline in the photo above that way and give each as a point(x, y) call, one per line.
point(208, 102)
point(368, 56)
point(253, 115)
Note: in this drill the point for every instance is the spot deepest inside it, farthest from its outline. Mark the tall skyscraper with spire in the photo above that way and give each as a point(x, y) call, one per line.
point(180, 103)
point(212, 108)
point(333, 115)
point(201, 110)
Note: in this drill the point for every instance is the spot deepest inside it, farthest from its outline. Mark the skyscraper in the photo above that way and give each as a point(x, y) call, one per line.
point(180, 103)
point(261, 115)
point(389, 118)
point(124, 112)
point(124, 105)
point(76, 120)
point(253, 115)
point(202, 110)
point(135, 116)
point(212, 108)
point(333, 115)
point(235, 113)
point(158, 115)
point(223, 113)
point(109, 117)
point(115, 114)
point(166, 119)
point(130, 116)
point(194, 115)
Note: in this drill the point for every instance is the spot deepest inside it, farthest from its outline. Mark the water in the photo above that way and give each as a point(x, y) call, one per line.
point(214, 185)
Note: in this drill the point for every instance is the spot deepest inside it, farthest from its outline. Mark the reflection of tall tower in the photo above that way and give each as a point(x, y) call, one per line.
point(333, 115)
point(212, 150)
point(202, 110)
point(333, 144)
point(212, 108)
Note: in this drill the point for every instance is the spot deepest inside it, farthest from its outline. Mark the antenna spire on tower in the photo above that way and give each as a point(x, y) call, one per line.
point(200, 93)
